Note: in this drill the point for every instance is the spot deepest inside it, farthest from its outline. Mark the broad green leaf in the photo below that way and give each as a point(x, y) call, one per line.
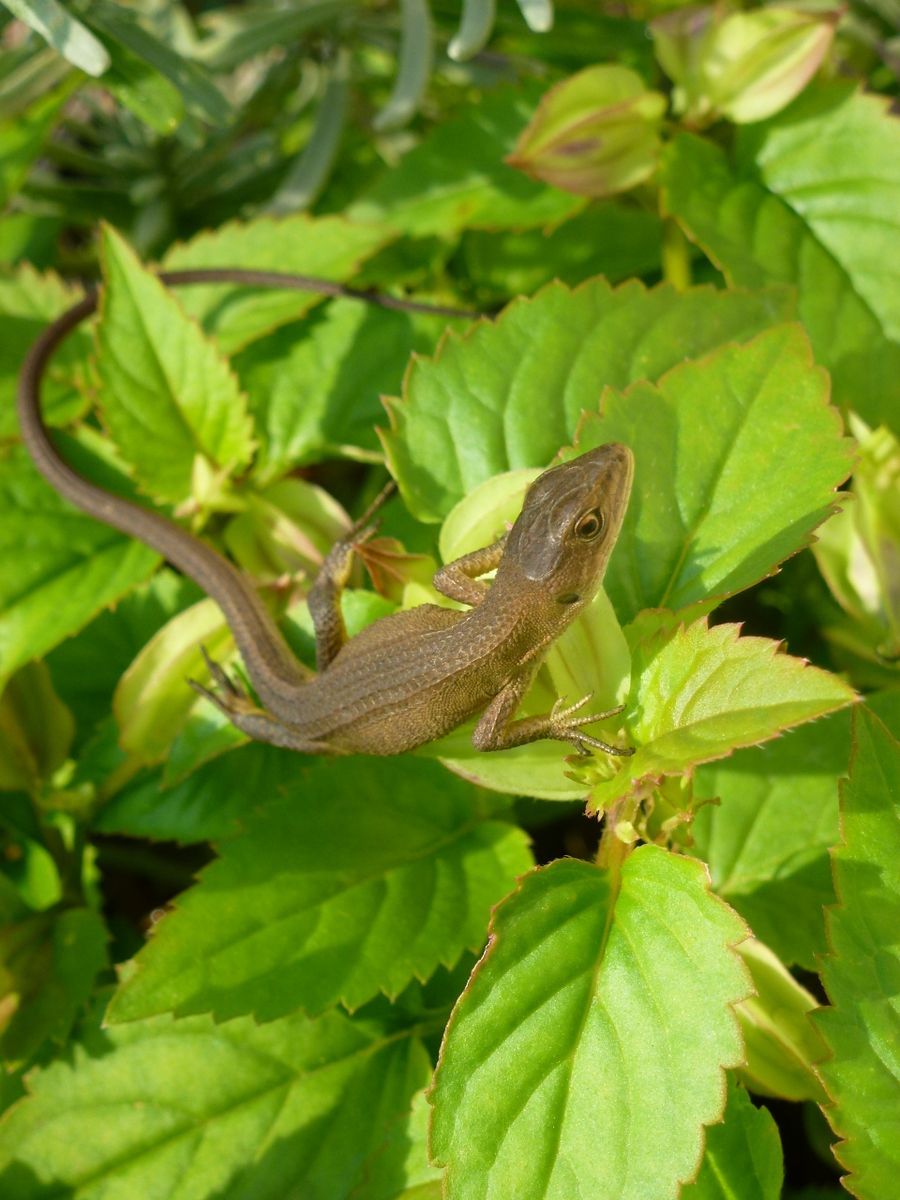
point(29, 301)
point(609, 238)
point(862, 971)
point(208, 804)
point(74, 567)
point(456, 177)
point(781, 1044)
point(22, 139)
point(741, 65)
point(743, 1155)
point(810, 197)
point(469, 412)
point(401, 1170)
point(87, 669)
point(354, 882)
point(319, 396)
point(330, 248)
point(594, 134)
point(168, 397)
point(35, 729)
point(715, 443)
point(201, 1111)
point(697, 693)
point(767, 840)
point(201, 96)
point(48, 964)
point(586, 1054)
point(63, 32)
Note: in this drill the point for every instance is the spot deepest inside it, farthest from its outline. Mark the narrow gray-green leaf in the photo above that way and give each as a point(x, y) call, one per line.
point(309, 174)
point(413, 68)
point(63, 32)
point(587, 1052)
point(474, 30)
point(353, 883)
point(200, 94)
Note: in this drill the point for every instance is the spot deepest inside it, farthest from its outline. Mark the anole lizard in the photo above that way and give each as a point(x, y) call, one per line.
point(411, 677)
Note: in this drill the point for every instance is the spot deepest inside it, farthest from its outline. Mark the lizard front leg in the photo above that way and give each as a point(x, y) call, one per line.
point(324, 598)
point(498, 731)
point(458, 580)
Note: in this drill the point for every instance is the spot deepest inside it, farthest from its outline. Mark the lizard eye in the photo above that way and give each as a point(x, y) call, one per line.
point(589, 526)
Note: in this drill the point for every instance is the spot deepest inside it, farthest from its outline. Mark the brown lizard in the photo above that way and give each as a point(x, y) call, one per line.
point(415, 675)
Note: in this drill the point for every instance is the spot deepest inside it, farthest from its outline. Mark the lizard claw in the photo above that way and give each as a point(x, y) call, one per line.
point(226, 694)
point(567, 727)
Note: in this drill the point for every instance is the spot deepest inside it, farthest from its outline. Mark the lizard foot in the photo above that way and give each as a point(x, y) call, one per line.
point(567, 727)
point(227, 695)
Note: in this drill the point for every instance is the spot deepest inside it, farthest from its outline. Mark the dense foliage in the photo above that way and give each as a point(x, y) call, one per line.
point(681, 225)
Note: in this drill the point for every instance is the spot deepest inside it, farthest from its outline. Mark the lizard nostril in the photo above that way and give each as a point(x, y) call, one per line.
point(568, 598)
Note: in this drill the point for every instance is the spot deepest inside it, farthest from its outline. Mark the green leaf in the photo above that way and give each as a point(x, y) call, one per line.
point(469, 412)
point(22, 139)
point(781, 1045)
point(318, 396)
point(586, 1053)
point(63, 32)
point(200, 94)
point(168, 397)
point(861, 972)
point(351, 884)
point(811, 197)
point(87, 669)
point(48, 965)
point(594, 134)
point(713, 443)
point(697, 693)
point(325, 247)
point(73, 569)
point(143, 89)
point(609, 238)
point(858, 551)
point(767, 842)
point(401, 1171)
point(28, 302)
point(456, 177)
point(35, 729)
point(205, 806)
point(200, 1110)
point(743, 1155)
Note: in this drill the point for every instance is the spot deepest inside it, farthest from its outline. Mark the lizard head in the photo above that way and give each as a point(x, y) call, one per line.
point(569, 523)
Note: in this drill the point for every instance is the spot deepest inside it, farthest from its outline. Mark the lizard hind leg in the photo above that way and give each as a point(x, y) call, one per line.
point(245, 714)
